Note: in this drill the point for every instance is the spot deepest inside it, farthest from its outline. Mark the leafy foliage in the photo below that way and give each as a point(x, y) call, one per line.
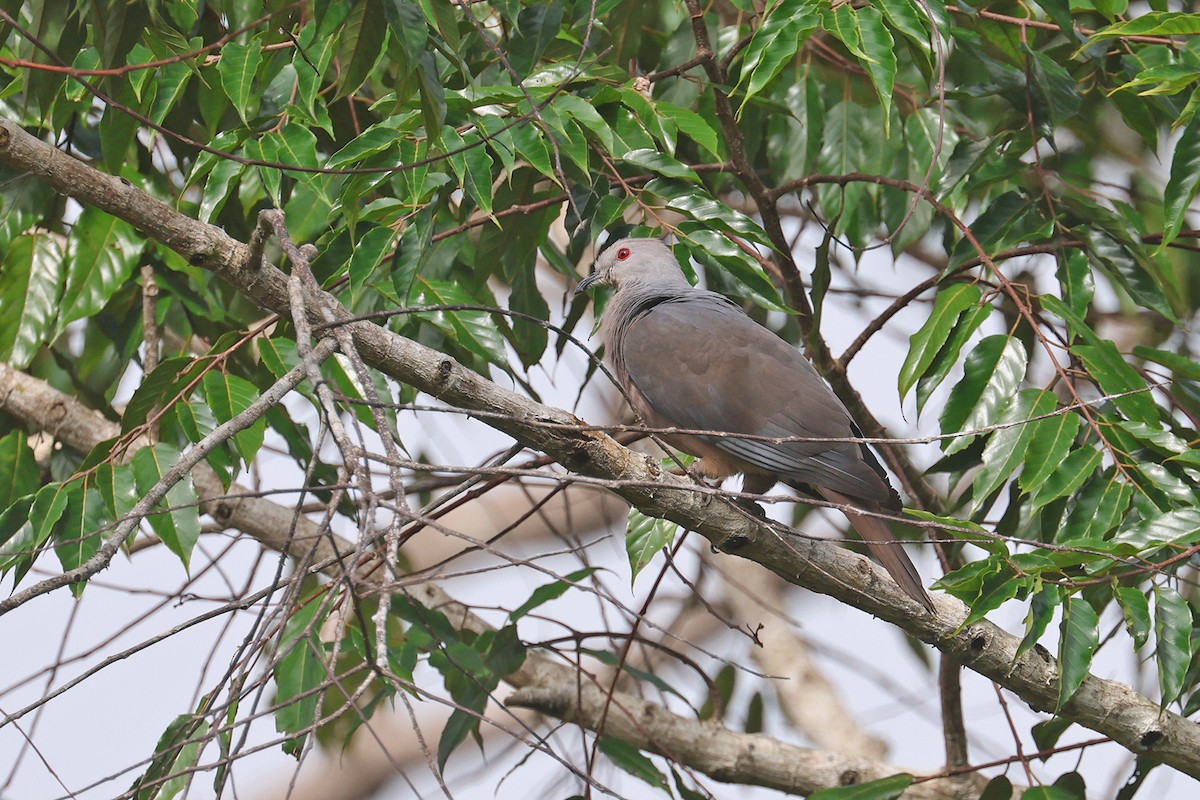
point(440, 156)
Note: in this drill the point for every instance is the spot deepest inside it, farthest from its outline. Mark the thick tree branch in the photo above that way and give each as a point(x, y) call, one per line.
point(721, 753)
point(1106, 706)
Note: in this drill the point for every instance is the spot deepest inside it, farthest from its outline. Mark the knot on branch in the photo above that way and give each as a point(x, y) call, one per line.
point(543, 699)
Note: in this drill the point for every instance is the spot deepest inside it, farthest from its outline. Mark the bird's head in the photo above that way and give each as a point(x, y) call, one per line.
point(627, 262)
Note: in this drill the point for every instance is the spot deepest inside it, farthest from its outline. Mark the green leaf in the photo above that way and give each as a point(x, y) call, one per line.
point(924, 345)
point(589, 118)
point(880, 58)
point(1183, 183)
point(228, 396)
point(23, 534)
point(774, 45)
point(991, 375)
point(238, 65)
point(77, 535)
point(106, 251)
point(1076, 468)
point(1037, 619)
point(472, 166)
point(1048, 448)
point(550, 591)
point(19, 474)
point(1173, 640)
point(537, 26)
point(712, 249)
point(159, 388)
point(1006, 448)
point(473, 330)
point(645, 537)
point(368, 253)
point(179, 527)
point(1050, 793)
point(1135, 609)
point(117, 489)
point(1167, 79)
point(1125, 263)
point(1153, 23)
point(883, 789)
point(1114, 376)
point(698, 204)
point(998, 788)
point(1179, 527)
point(1079, 637)
point(695, 126)
point(360, 44)
point(528, 338)
point(947, 358)
point(299, 671)
point(34, 271)
point(379, 138)
point(221, 182)
point(170, 770)
point(629, 758)
point(660, 163)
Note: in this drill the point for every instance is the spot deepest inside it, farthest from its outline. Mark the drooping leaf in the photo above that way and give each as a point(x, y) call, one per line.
point(1173, 640)
point(178, 524)
point(1079, 636)
point(923, 346)
point(991, 375)
point(645, 537)
point(1184, 181)
point(238, 65)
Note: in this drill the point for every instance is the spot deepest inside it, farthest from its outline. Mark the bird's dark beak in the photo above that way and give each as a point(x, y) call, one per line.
point(583, 285)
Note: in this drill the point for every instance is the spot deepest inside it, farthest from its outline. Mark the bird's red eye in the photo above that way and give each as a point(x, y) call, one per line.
point(623, 254)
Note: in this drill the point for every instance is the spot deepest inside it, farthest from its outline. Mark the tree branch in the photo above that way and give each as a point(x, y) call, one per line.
point(1106, 706)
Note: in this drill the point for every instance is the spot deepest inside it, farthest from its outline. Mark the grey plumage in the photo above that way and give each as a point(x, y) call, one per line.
point(690, 358)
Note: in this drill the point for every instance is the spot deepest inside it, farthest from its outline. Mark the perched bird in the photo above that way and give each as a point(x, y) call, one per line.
point(689, 358)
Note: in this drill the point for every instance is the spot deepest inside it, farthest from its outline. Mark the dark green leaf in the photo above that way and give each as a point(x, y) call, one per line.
point(34, 270)
point(238, 65)
point(1048, 448)
point(177, 751)
point(473, 330)
point(1116, 377)
point(948, 308)
point(361, 44)
point(77, 536)
point(1135, 609)
point(550, 591)
point(991, 375)
point(1006, 448)
point(105, 255)
point(18, 469)
point(1173, 640)
point(633, 761)
point(660, 163)
point(1037, 619)
point(299, 671)
point(1069, 476)
point(372, 246)
point(1079, 636)
point(1183, 183)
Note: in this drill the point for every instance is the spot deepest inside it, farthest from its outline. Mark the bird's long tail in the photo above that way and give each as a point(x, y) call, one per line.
point(884, 546)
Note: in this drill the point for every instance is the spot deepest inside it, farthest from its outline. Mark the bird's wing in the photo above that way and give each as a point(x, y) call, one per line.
point(701, 363)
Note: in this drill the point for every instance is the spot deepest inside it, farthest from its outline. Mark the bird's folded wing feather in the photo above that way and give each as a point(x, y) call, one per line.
point(700, 362)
